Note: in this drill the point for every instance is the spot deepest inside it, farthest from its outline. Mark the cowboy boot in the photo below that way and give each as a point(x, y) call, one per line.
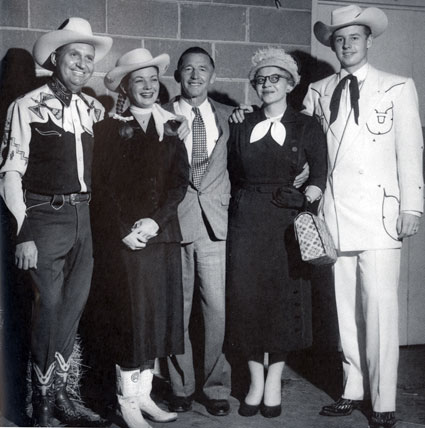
point(147, 405)
point(127, 394)
point(42, 396)
point(65, 410)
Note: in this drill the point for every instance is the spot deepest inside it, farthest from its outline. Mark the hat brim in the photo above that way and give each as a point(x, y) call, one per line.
point(115, 76)
point(272, 62)
point(49, 42)
point(372, 17)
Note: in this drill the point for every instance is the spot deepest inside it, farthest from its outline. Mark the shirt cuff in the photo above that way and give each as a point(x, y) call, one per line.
point(416, 213)
point(25, 234)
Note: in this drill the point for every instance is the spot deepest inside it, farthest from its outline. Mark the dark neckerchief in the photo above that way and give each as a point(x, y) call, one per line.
point(62, 93)
point(354, 97)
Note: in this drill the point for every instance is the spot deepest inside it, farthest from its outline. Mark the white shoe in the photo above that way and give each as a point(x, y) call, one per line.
point(127, 394)
point(147, 405)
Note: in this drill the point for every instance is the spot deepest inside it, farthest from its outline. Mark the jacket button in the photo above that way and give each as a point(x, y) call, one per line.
point(295, 149)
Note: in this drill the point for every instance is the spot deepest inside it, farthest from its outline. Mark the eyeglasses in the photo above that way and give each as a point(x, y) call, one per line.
point(273, 78)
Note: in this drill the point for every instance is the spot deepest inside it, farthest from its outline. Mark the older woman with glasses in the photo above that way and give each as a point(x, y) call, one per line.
point(268, 291)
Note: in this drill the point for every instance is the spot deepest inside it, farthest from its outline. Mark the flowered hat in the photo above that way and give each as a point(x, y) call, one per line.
point(274, 57)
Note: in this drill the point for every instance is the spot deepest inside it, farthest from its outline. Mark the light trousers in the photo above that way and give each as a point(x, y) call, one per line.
point(205, 260)
point(366, 285)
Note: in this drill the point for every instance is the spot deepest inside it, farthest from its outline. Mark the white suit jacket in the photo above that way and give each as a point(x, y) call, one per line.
point(375, 167)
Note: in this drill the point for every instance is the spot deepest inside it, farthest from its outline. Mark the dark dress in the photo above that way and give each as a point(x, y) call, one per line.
point(135, 177)
point(268, 292)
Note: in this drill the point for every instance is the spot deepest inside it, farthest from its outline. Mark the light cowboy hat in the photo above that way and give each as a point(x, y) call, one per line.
point(135, 60)
point(73, 30)
point(372, 17)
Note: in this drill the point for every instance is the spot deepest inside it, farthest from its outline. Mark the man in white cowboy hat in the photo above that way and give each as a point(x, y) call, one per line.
point(45, 182)
point(373, 200)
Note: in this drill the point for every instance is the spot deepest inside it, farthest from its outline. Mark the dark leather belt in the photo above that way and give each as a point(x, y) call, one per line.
point(263, 187)
point(71, 198)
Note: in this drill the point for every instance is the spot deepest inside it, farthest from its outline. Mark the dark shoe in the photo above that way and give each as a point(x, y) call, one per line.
point(180, 404)
point(218, 407)
point(42, 413)
point(42, 396)
point(65, 410)
point(77, 415)
point(271, 411)
point(341, 407)
point(247, 409)
point(382, 420)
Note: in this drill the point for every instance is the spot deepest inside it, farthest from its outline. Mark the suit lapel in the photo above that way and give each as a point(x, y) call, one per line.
point(333, 138)
point(221, 119)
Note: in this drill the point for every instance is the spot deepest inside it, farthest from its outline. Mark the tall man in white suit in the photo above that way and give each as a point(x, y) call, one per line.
point(203, 221)
point(373, 200)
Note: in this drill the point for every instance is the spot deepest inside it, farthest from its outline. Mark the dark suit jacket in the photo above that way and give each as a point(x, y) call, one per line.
point(213, 195)
point(138, 176)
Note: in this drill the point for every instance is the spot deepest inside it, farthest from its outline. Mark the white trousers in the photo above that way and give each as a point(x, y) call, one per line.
point(366, 284)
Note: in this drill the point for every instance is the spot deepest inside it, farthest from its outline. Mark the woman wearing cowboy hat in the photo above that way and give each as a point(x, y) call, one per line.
point(140, 177)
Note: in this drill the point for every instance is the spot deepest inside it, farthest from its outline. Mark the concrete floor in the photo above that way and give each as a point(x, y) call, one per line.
point(303, 397)
point(302, 400)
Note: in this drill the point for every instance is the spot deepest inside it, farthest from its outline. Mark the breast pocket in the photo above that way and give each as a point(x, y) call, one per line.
point(381, 120)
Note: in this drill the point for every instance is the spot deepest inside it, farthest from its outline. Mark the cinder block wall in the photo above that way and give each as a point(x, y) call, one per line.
point(231, 30)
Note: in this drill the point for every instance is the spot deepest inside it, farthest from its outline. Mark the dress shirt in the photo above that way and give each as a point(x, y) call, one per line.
point(182, 107)
point(361, 73)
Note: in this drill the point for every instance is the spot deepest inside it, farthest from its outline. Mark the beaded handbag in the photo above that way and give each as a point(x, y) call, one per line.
point(315, 241)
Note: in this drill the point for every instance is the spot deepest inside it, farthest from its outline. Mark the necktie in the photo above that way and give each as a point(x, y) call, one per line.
point(199, 148)
point(354, 98)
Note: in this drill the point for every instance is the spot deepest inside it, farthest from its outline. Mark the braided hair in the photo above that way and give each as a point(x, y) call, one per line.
point(119, 107)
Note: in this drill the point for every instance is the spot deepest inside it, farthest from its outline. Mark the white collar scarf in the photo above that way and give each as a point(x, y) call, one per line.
point(160, 116)
point(278, 131)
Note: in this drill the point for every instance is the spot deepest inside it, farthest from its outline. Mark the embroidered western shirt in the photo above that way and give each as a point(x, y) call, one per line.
point(48, 140)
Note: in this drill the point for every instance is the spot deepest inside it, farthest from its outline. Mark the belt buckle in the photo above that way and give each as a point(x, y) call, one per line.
point(73, 199)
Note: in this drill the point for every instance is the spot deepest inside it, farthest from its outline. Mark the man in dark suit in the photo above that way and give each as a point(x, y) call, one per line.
point(203, 221)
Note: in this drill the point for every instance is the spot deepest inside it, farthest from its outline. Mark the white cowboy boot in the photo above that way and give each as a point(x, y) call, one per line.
point(127, 394)
point(147, 405)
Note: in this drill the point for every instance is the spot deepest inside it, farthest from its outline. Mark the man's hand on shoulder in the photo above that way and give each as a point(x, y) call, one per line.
point(26, 255)
point(238, 114)
point(184, 130)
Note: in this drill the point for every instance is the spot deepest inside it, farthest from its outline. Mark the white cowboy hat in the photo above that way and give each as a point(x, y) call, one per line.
point(373, 17)
point(73, 30)
point(135, 60)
